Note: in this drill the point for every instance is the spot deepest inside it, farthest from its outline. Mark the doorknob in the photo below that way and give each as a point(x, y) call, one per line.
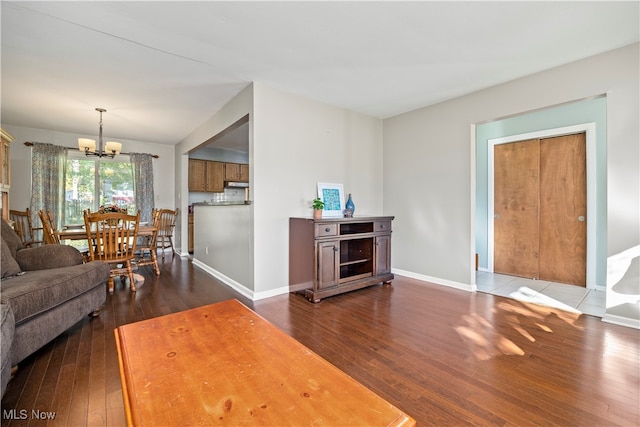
point(496, 216)
point(581, 218)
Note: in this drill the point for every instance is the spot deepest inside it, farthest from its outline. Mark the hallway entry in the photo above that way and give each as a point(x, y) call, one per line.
point(540, 208)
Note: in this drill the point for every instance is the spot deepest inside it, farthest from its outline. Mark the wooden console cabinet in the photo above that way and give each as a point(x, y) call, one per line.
point(330, 256)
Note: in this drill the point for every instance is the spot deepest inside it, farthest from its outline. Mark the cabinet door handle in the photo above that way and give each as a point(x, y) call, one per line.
point(327, 230)
point(336, 249)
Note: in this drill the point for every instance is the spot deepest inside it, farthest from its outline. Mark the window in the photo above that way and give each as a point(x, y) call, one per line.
point(91, 182)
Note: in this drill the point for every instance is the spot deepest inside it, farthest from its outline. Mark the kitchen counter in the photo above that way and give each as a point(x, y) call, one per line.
point(248, 202)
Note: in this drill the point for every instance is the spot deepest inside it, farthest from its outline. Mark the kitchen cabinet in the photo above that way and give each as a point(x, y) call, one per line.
point(206, 176)
point(215, 177)
point(236, 172)
point(5, 173)
point(334, 255)
point(197, 175)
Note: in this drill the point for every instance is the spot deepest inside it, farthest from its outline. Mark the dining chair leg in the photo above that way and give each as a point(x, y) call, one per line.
point(111, 284)
point(156, 268)
point(163, 246)
point(132, 282)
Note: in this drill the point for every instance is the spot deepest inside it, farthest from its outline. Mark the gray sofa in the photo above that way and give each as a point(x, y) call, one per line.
point(43, 292)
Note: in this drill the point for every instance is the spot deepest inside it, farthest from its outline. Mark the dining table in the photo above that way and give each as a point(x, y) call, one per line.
point(79, 233)
point(146, 230)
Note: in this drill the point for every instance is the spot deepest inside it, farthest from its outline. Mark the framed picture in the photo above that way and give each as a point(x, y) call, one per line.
point(333, 197)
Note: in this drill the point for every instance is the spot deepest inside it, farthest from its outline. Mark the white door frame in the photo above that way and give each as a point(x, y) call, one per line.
point(590, 131)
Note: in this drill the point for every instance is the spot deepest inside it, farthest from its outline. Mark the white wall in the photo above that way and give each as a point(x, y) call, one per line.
point(429, 176)
point(298, 143)
point(20, 195)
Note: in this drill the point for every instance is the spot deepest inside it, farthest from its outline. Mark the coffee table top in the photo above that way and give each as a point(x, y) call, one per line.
point(224, 364)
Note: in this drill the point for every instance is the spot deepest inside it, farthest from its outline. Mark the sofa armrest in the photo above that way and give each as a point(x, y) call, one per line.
point(48, 256)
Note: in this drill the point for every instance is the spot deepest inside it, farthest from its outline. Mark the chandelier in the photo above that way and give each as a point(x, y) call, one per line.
point(111, 149)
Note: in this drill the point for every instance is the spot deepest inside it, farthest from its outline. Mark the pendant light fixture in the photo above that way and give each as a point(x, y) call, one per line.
point(111, 149)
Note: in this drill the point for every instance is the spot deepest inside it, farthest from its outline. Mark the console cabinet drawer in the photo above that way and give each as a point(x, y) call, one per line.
point(380, 226)
point(326, 230)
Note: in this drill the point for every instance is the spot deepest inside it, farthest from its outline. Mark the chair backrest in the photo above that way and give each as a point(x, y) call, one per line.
point(155, 222)
point(112, 235)
point(150, 241)
point(49, 228)
point(166, 221)
point(22, 225)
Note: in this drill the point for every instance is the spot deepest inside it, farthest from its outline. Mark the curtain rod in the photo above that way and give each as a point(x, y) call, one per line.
point(30, 144)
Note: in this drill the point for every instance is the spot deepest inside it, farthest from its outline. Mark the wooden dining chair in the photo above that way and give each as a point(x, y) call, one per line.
point(166, 224)
point(49, 228)
point(147, 246)
point(23, 226)
point(112, 238)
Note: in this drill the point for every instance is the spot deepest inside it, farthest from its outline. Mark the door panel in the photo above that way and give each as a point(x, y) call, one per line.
point(383, 255)
point(540, 209)
point(563, 209)
point(328, 264)
point(516, 182)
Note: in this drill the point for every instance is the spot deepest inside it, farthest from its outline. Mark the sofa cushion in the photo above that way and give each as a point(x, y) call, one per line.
point(7, 329)
point(9, 265)
point(36, 292)
point(48, 256)
point(10, 236)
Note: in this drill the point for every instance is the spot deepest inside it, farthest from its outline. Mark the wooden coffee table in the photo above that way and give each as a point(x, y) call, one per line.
point(224, 364)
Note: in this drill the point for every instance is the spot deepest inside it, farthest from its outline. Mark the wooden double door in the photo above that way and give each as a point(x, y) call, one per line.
point(540, 209)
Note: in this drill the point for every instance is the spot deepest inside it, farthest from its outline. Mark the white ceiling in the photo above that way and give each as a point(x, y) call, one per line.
point(161, 69)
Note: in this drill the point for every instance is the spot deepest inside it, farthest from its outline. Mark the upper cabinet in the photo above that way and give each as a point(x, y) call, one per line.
point(5, 177)
point(215, 177)
point(209, 176)
point(206, 176)
point(236, 172)
point(5, 173)
point(197, 175)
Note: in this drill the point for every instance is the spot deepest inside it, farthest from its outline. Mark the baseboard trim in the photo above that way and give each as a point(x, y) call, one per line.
point(239, 287)
point(271, 293)
point(255, 296)
point(435, 280)
point(243, 290)
point(621, 321)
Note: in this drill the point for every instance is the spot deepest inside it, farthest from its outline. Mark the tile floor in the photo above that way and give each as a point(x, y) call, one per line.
point(567, 297)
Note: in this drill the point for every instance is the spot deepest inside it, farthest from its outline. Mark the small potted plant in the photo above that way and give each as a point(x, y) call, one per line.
point(318, 206)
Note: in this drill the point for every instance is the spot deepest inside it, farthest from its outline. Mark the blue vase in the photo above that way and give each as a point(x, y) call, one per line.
point(349, 205)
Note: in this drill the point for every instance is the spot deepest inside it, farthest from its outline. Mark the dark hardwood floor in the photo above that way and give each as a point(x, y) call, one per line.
point(445, 357)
